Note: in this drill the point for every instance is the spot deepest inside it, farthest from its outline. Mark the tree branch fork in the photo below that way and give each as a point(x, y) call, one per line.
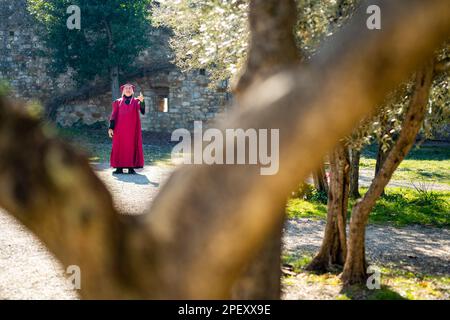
point(208, 221)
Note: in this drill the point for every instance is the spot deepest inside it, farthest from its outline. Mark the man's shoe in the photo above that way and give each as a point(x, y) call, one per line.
point(131, 171)
point(118, 171)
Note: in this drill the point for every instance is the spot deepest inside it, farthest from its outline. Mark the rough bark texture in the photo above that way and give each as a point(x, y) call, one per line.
point(262, 277)
point(334, 245)
point(355, 270)
point(381, 158)
point(115, 86)
point(355, 156)
point(53, 191)
point(272, 47)
point(114, 70)
point(320, 179)
point(208, 222)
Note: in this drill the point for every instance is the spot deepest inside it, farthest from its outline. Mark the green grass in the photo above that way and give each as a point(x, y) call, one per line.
point(95, 142)
point(428, 163)
point(299, 208)
point(297, 263)
point(400, 206)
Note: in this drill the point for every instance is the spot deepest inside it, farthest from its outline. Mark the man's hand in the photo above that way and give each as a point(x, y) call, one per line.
point(110, 133)
point(140, 97)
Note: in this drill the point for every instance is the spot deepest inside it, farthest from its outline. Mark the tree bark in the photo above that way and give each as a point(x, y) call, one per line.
point(333, 251)
point(355, 156)
point(355, 269)
point(115, 86)
point(209, 221)
point(114, 69)
point(272, 47)
point(381, 158)
point(320, 179)
point(261, 279)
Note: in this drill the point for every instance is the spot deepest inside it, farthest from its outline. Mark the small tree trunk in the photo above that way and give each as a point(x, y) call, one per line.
point(381, 157)
point(354, 173)
point(320, 179)
point(355, 270)
point(115, 87)
point(114, 70)
point(334, 248)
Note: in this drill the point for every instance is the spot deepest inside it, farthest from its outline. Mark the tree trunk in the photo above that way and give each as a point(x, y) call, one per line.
point(355, 155)
point(320, 179)
point(209, 221)
point(115, 86)
point(114, 69)
point(355, 269)
point(334, 246)
point(381, 157)
point(262, 277)
point(272, 47)
point(272, 44)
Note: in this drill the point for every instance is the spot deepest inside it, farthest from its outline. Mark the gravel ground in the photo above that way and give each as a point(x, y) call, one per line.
point(417, 249)
point(28, 271)
point(421, 250)
point(132, 194)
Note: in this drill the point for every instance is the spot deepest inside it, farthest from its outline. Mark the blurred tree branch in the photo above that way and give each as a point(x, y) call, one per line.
point(207, 222)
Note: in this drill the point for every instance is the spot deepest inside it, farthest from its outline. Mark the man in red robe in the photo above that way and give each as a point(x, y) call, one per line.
point(125, 131)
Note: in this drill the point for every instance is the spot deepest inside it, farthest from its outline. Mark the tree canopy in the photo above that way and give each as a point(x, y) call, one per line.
point(112, 34)
point(214, 34)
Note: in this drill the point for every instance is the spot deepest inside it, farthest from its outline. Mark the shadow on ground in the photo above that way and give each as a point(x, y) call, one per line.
point(135, 179)
point(362, 293)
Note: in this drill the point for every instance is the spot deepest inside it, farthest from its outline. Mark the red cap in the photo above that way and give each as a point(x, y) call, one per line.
point(126, 84)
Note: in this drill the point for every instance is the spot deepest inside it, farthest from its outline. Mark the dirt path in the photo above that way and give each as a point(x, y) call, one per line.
point(132, 194)
point(417, 249)
point(28, 271)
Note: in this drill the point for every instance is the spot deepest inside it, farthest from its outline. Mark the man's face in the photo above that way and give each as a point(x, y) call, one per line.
point(128, 90)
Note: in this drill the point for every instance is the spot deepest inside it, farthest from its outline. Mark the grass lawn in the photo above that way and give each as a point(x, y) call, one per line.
point(428, 163)
point(400, 206)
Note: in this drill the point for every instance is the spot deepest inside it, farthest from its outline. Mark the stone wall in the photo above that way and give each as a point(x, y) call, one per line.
point(20, 62)
point(189, 99)
point(188, 94)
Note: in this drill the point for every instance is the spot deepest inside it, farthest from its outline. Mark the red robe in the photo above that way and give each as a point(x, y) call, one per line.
point(127, 139)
